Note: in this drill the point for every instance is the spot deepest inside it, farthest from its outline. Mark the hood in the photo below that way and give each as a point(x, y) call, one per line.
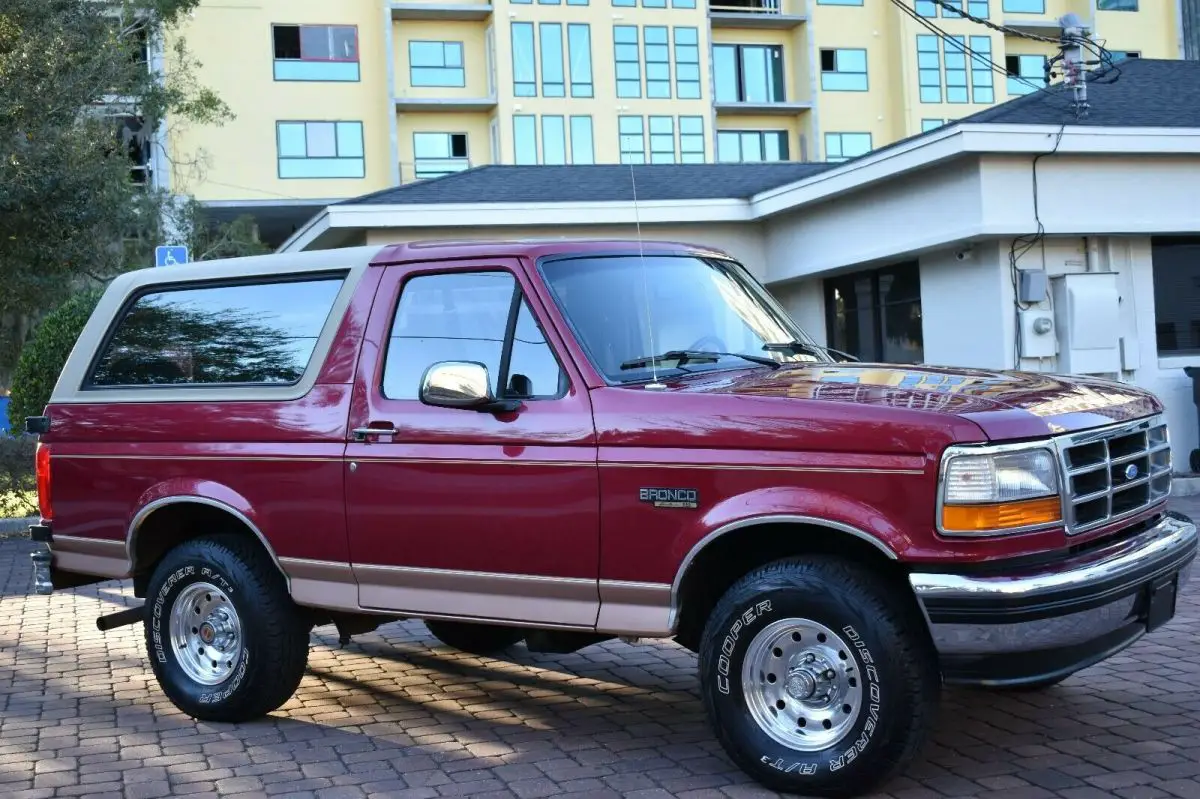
point(1006, 405)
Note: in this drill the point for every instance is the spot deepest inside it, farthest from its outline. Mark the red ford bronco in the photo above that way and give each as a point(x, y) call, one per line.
point(562, 442)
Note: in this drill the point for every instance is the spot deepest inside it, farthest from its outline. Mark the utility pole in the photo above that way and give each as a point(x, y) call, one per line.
point(1072, 55)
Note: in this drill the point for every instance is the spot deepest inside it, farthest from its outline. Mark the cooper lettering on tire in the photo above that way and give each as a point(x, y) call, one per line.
point(224, 639)
point(816, 680)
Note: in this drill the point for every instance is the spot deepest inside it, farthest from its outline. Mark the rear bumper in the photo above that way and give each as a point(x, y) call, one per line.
point(48, 576)
point(1040, 624)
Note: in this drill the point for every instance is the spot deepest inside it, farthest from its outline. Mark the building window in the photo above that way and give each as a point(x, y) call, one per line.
point(633, 140)
point(931, 124)
point(926, 8)
point(654, 3)
point(683, 3)
point(751, 146)
point(579, 43)
point(658, 62)
point(876, 315)
point(839, 2)
point(844, 70)
point(582, 148)
point(438, 154)
point(1024, 6)
point(1026, 73)
point(436, 64)
point(316, 52)
point(976, 8)
point(525, 149)
point(748, 73)
point(577, 2)
point(624, 3)
point(1116, 5)
point(955, 58)
point(662, 140)
point(844, 146)
point(320, 149)
point(554, 140)
point(1121, 55)
point(629, 67)
point(524, 69)
point(1176, 275)
point(691, 140)
point(687, 63)
point(983, 89)
point(550, 2)
point(929, 69)
point(553, 80)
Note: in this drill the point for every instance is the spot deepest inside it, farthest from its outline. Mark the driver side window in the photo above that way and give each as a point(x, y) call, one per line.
point(466, 316)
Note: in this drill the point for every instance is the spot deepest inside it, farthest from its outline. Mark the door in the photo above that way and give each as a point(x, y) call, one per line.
point(464, 513)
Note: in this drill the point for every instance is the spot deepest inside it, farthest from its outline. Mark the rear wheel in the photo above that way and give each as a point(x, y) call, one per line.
point(224, 638)
point(816, 680)
point(478, 639)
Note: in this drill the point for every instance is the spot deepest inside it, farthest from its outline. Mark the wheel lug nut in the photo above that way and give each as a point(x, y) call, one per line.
point(829, 674)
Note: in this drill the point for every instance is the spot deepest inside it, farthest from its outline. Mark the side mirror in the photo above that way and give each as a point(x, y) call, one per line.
point(461, 384)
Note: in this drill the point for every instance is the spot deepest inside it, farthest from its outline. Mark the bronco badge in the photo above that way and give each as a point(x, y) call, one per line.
point(671, 497)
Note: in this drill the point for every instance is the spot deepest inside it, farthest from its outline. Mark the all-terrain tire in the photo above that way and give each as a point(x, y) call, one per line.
point(264, 671)
point(879, 656)
point(478, 639)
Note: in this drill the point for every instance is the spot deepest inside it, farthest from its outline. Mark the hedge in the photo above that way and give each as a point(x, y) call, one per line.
point(43, 356)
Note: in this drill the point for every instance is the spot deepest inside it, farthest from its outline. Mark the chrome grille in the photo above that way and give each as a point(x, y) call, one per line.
point(1114, 472)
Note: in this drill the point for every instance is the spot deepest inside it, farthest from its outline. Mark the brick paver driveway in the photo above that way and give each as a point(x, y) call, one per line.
point(394, 714)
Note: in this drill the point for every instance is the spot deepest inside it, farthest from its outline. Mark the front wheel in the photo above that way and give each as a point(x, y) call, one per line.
point(224, 639)
point(816, 679)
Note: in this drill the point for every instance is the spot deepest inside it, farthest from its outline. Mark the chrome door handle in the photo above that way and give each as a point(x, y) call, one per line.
point(361, 433)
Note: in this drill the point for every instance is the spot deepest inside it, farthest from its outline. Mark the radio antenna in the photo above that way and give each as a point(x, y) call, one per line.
point(637, 220)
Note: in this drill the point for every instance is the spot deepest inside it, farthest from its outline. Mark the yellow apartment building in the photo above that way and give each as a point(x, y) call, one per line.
point(335, 99)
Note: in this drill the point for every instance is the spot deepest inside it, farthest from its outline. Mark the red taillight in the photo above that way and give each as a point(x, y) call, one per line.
point(43, 481)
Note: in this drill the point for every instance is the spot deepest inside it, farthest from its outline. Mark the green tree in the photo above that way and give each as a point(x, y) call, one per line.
point(80, 91)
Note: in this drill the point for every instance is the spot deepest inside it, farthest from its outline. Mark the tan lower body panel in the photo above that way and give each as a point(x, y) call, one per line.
point(534, 600)
point(609, 606)
point(638, 609)
point(96, 556)
point(321, 583)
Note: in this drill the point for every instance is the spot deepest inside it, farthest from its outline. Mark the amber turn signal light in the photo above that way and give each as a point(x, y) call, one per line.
point(1001, 516)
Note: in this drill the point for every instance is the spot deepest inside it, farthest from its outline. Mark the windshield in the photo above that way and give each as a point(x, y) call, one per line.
point(623, 312)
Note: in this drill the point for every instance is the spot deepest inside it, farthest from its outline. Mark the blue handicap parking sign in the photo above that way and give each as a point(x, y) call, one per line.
point(170, 255)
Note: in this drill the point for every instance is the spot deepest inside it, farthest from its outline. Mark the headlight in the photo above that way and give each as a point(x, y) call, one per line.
point(984, 493)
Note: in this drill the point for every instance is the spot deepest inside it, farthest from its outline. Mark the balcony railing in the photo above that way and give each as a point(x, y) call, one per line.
point(426, 168)
point(747, 7)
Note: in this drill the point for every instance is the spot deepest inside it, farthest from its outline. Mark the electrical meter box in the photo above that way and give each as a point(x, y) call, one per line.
point(1087, 315)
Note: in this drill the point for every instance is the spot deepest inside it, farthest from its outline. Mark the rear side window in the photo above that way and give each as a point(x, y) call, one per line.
point(244, 334)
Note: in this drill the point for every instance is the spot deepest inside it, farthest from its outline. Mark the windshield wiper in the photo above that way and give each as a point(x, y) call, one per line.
point(688, 356)
point(812, 349)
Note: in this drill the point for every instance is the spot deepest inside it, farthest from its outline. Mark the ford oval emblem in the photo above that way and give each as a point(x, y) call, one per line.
point(1131, 471)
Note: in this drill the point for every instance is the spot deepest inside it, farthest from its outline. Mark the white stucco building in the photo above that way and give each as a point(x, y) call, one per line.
point(913, 253)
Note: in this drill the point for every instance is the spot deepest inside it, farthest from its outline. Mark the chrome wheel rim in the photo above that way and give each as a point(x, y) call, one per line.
point(802, 684)
point(206, 633)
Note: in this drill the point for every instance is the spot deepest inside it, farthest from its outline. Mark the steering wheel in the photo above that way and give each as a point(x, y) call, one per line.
point(719, 344)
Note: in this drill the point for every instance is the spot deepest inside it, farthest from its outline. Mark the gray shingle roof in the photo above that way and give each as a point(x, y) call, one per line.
point(1136, 93)
point(602, 182)
point(1146, 92)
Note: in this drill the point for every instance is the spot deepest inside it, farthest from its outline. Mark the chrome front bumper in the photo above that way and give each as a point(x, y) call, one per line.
point(1035, 624)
